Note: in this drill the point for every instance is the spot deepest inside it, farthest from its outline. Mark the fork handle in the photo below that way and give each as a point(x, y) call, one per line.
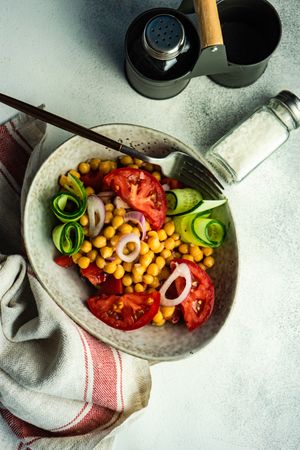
point(67, 125)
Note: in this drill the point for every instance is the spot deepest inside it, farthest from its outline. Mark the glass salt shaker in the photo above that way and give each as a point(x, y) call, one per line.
point(255, 138)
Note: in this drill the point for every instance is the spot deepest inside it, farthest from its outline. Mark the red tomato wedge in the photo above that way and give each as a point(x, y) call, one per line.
point(125, 312)
point(64, 261)
point(110, 286)
point(93, 179)
point(141, 191)
point(95, 275)
point(198, 305)
point(172, 182)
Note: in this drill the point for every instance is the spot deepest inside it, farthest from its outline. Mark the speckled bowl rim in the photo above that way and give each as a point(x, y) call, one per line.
point(156, 359)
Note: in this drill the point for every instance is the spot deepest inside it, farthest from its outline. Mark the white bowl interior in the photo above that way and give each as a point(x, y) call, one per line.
point(69, 291)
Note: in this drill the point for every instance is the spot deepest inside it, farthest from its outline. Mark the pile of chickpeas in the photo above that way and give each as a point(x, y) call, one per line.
point(157, 250)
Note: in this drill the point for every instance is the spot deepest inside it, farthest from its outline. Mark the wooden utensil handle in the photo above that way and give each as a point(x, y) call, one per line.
point(209, 23)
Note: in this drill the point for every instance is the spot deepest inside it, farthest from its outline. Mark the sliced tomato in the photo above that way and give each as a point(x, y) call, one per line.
point(110, 286)
point(172, 182)
point(93, 179)
point(64, 261)
point(198, 305)
point(125, 312)
point(141, 191)
point(95, 275)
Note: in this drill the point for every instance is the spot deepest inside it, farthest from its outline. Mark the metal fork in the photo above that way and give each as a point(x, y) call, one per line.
point(180, 165)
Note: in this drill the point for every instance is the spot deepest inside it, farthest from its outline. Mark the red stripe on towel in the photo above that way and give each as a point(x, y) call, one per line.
point(12, 155)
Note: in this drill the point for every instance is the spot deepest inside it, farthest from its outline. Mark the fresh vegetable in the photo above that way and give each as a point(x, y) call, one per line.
point(68, 238)
point(124, 240)
point(189, 201)
point(141, 191)
point(139, 218)
point(125, 312)
point(93, 179)
point(110, 286)
point(181, 270)
point(198, 305)
point(64, 261)
point(76, 187)
point(67, 207)
point(96, 214)
point(198, 230)
point(95, 275)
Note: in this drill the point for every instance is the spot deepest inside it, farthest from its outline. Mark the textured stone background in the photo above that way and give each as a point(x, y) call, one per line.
point(243, 390)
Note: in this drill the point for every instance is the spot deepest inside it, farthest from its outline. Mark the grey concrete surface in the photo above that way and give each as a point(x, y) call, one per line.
point(243, 390)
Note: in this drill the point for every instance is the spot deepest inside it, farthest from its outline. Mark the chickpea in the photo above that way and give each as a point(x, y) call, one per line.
point(128, 289)
point(155, 282)
point(83, 262)
point(105, 167)
point(152, 233)
point(165, 253)
point(114, 240)
point(153, 269)
point(89, 191)
point(127, 280)
point(120, 212)
point(147, 226)
point(128, 266)
point(63, 179)
point(84, 220)
point(126, 160)
point(169, 244)
point(109, 207)
point(156, 175)
point(99, 241)
point(133, 166)
point(109, 232)
point(160, 262)
point(139, 287)
point(131, 246)
point(148, 279)
point(208, 261)
point(165, 273)
point(202, 266)
point(92, 255)
point(146, 259)
point(74, 173)
point(94, 163)
point(100, 262)
point(106, 252)
point(84, 167)
point(117, 221)
point(119, 272)
point(110, 267)
point(125, 228)
point(183, 248)
point(149, 167)
point(162, 235)
point(138, 270)
point(188, 257)
point(136, 231)
point(207, 251)
point(169, 228)
point(144, 248)
point(108, 217)
point(160, 248)
point(167, 311)
point(138, 162)
point(154, 243)
point(175, 236)
point(76, 257)
point(86, 246)
point(137, 278)
point(196, 252)
point(113, 165)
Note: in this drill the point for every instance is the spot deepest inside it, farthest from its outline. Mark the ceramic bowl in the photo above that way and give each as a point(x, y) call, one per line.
point(70, 292)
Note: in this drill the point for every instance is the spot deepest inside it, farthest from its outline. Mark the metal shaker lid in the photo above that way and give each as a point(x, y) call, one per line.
point(163, 37)
point(292, 103)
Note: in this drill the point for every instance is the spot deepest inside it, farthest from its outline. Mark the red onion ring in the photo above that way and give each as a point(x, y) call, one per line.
point(139, 218)
point(182, 270)
point(130, 237)
point(96, 214)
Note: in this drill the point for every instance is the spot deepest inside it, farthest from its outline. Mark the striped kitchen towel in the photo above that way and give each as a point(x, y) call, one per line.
point(60, 388)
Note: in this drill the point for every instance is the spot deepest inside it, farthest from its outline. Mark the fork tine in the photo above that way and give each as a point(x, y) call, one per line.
point(200, 183)
point(194, 175)
point(195, 164)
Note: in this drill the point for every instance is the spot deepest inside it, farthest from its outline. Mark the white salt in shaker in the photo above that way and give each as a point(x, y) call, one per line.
point(255, 138)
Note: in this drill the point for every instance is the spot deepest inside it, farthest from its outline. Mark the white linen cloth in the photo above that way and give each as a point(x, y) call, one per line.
point(60, 388)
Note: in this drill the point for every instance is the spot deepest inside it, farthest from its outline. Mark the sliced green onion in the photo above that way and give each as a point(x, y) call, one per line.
point(181, 201)
point(199, 230)
point(60, 203)
point(68, 237)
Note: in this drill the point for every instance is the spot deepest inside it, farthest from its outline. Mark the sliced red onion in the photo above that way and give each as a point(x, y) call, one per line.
point(96, 214)
point(139, 218)
point(119, 203)
point(130, 237)
point(166, 187)
point(182, 270)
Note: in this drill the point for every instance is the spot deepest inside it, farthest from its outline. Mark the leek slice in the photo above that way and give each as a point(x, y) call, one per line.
point(68, 237)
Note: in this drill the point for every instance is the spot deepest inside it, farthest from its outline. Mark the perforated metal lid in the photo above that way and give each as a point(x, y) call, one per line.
point(164, 37)
point(292, 102)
